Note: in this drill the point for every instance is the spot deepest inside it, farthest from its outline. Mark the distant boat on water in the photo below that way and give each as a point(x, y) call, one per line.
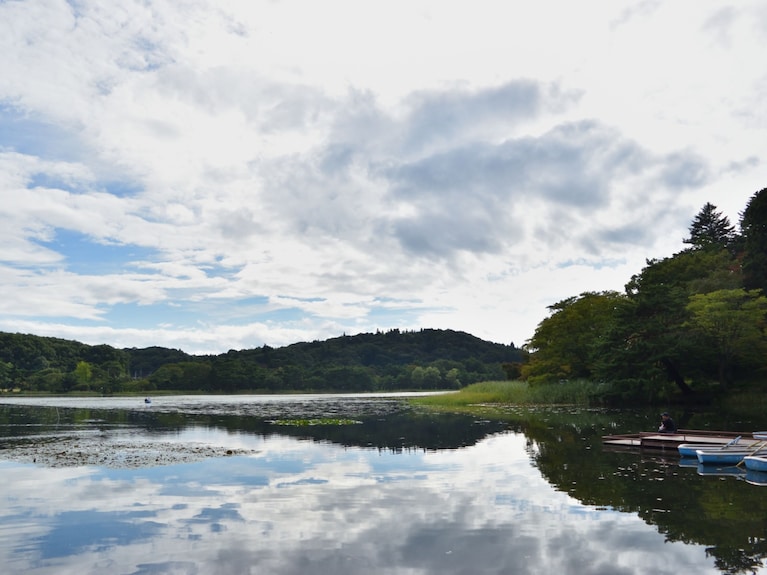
point(147, 400)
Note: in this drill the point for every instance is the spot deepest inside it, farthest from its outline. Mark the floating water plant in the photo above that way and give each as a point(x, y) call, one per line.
point(316, 421)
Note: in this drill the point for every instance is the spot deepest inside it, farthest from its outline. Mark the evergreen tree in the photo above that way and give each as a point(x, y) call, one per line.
point(753, 228)
point(710, 229)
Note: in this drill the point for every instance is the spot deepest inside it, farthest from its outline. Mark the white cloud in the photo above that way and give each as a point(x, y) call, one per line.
point(319, 159)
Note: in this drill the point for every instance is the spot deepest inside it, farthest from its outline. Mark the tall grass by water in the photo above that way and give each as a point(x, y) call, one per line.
point(576, 392)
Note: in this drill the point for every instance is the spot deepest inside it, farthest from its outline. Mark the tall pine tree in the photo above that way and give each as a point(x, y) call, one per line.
point(710, 229)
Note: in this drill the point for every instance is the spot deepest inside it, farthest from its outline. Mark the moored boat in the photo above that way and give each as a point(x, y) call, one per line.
point(721, 456)
point(729, 456)
point(755, 462)
point(691, 449)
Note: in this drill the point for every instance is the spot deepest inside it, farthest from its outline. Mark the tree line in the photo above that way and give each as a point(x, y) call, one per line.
point(392, 360)
point(685, 325)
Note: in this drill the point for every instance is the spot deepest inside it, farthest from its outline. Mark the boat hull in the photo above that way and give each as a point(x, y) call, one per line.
point(691, 449)
point(721, 456)
point(755, 462)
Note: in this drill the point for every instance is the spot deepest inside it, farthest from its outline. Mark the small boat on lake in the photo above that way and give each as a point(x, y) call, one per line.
point(147, 400)
point(691, 449)
point(756, 462)
point(729, 456)
point(721, 457)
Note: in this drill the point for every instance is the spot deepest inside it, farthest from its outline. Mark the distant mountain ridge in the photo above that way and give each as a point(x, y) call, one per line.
point(395, 359)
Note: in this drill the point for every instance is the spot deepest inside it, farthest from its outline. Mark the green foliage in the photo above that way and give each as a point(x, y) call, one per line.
point(6, 374)
point(146, 361)
point(732, 323)
point(428, 359)
point(753, 228)
point(710, 229)
point(650, 352)
point(684, 322)
point(564, 344)
point(83, 374)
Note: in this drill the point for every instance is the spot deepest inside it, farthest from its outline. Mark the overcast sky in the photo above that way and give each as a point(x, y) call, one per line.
point(215, 175)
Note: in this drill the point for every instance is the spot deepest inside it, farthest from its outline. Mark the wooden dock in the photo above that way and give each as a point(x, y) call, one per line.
point(655, 440)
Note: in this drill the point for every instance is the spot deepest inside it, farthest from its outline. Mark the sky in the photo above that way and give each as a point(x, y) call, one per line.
point(216, 175)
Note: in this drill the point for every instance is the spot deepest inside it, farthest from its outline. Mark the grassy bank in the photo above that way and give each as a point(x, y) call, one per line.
point(578, 392)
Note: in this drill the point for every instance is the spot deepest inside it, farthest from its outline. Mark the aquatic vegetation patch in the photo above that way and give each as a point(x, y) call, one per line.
point(314, 421)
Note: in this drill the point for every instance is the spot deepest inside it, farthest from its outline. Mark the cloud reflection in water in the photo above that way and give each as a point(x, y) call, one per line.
point(304, 507)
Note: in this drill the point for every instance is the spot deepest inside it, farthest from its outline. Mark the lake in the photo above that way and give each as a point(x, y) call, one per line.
point(361, 484)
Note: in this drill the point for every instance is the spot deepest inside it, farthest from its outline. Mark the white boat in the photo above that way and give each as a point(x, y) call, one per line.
point(760, 435)
point(729, 456)
point(755, 462)
point(721, 456)
point(691, 449)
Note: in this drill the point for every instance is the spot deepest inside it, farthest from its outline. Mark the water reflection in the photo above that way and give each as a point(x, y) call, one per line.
point(302, 507)
point(320, 501)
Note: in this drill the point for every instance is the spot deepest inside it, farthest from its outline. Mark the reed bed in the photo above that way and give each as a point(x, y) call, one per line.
point(576, 392)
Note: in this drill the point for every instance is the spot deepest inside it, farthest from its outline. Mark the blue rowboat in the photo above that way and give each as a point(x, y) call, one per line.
point(729, 456)
point(721, 456)
point(691, 449)
point(755, 462)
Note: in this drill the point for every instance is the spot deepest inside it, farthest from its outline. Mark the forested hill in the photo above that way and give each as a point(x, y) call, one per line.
point(425, 359)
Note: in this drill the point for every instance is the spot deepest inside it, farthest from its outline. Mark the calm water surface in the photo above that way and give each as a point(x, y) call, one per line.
point(373, 487)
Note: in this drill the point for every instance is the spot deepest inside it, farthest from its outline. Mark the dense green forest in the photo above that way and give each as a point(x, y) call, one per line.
point(687, 325)
point(393, 360)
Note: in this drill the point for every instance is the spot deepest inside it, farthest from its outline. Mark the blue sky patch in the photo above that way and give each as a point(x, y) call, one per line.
point(35, 137)
point(87, 256)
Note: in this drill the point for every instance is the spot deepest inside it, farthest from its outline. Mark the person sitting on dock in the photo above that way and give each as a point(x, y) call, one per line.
point(667, 424)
